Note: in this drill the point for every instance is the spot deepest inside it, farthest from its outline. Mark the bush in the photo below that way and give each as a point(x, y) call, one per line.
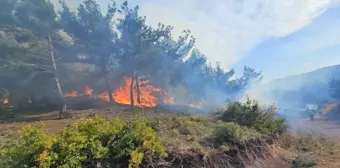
point(251, 115)
point(136, 140)
point(232, 132)
point(26, 150)
point(85, 143)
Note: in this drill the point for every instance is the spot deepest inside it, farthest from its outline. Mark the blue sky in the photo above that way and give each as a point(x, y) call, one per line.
point(314, 46)
point(277, 37)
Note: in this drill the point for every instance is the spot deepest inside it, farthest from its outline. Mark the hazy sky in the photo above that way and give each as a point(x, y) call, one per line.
point(277, 37)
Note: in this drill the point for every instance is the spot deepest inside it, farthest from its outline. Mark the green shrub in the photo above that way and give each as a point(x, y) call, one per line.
point(231, 132)
point(25, 151)
point(251, 115)
point(85, 143)
point(136, 140)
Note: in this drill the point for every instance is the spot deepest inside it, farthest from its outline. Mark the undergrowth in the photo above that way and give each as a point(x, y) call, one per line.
point(97, 142)
point(233, 133)
point(252, 115)
point(311, 148)
point(86, 143)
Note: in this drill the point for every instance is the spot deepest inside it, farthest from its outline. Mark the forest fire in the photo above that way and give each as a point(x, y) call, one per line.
point(147, 99)
point(72, 94)
point(88, 91)
point(122, 94)
point(5, 101)
point(194, 106)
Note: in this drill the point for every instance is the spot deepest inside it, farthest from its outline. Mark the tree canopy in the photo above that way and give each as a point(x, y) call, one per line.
point(38, 43)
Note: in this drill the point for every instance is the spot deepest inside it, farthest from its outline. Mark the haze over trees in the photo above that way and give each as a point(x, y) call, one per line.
point(38, 45)
point(335, 88)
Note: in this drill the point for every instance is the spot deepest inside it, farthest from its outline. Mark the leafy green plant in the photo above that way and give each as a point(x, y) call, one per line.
point(232, 132)
point(25, 150)
point(85, 143)
point(252, 115)
point(138, 139)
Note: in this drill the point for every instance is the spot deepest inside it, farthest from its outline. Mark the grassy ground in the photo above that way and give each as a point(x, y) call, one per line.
point(190, 135)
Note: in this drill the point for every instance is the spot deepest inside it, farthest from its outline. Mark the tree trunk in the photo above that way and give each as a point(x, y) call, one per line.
point(132, 101)
point(138, 90)
point(56, 77)
point(108, 88)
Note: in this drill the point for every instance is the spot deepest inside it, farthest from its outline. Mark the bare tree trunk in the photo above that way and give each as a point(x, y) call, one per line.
point(56, 77)
point(108, 88)
point(138, 90)
point(132, 101)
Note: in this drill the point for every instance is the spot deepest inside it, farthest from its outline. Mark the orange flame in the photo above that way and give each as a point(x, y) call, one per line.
point(5, 101)
point(88, 91)
point(122, 94)
point(72, 94)
point(194, 106)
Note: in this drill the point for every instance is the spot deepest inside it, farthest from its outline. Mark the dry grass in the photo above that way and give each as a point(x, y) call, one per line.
point(309, 148)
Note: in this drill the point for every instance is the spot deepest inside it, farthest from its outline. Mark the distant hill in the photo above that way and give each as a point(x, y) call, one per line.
point(299, 90)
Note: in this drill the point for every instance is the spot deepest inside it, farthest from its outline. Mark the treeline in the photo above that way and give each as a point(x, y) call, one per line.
point(40, 49)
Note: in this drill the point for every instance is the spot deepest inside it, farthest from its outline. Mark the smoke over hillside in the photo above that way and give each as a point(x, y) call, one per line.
point(294, 94)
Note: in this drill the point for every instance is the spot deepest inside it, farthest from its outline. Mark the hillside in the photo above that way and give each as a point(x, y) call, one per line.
point(307, 88)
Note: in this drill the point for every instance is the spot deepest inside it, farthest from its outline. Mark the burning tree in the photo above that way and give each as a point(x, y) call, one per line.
point(93, 35)
point(138, 43)
point(148, 58)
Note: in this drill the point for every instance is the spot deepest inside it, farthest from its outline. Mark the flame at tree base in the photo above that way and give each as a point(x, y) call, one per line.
point(72, 94)
point(122, 94)
point(147, 99)
point(5, 101)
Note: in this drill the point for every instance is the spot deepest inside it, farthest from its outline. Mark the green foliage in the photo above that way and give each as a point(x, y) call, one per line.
point(38, 16)
point(85, 143)
point(26, 150)
point(251, 115)
point(137, 140)
point(232, 132)
point(127, 46)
